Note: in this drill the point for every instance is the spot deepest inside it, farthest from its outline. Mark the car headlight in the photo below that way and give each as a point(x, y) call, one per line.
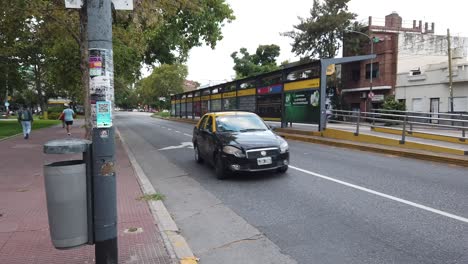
point(233, 151)
point(284, 147)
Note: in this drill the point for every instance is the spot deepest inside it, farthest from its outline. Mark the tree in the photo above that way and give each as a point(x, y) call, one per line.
point(320, 35)
point(391, 103)
point(264, 60)
point(154, 32)
point(186, 24)
point(163, 81)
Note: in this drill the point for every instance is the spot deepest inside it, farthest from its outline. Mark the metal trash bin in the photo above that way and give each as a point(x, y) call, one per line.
point(66, 186)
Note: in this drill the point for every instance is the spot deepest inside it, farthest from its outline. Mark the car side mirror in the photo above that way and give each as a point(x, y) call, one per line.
point(272, 127)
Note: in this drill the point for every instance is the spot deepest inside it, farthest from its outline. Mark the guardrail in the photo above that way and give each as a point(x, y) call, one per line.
point(455, 122)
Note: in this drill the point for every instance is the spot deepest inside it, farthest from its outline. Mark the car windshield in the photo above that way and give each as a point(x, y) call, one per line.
point(239, 123)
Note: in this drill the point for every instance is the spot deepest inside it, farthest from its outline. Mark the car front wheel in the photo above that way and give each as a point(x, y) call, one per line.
point(198, 158)
point(220, 171)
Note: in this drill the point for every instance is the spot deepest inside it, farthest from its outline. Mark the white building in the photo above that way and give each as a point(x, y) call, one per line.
point(422, 72)
point(425, 87)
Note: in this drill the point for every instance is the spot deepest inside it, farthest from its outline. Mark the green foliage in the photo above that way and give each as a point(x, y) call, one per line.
point(55, 109)
point(41, 44)
point(163, 81)
point(10, 128)
point(161, 114)
point(186, 24)
point(264, 60)
point(391, 104)
point(152, 197)
point(320, 35)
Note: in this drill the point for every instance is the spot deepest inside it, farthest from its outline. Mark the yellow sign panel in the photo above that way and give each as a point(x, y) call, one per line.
point(173, 102)
point(216, 96)
point(196, 99)
point(246, 92)
point(205, 98)
point(177, 101)
point(182, 101)
point(330, 69)
point(229, 94)
point(312, 83)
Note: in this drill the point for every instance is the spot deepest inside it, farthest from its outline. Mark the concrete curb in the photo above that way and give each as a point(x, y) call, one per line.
point(6, 138)
point(397, 152)
point(175, 243)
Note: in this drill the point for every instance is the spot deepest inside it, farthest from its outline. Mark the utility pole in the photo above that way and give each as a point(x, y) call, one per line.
point(450, 69)
point(101, 90)
point(371, 40)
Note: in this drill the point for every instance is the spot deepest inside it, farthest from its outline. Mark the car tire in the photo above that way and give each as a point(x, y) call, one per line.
point(196, 151)
point(282, 169)
point(220, 171)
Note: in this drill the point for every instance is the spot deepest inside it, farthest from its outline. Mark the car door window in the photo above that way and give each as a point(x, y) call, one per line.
point(202, 123)
point(209, 124)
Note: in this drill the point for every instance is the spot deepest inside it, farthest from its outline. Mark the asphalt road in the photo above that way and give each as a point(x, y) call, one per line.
point(335, 205)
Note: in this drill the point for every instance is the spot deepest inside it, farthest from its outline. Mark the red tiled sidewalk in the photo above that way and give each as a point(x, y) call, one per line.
point(24, 231)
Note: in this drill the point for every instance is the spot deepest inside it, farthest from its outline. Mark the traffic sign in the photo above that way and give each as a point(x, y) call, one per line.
point(7, 104)
point(371, 95)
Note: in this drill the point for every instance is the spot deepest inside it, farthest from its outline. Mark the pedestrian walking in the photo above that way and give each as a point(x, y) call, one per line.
point(25, 118)
point(62, 118)
point(68, 115)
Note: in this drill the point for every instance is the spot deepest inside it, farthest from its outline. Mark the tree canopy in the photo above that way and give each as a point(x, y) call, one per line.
point(164, 80)
point(42, 47)
point(264, 60)
point(321, 34)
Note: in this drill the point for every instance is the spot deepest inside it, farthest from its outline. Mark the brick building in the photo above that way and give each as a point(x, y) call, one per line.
point(356, 76)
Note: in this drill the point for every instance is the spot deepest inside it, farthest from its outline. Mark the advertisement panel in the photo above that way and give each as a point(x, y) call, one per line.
point(303, 106)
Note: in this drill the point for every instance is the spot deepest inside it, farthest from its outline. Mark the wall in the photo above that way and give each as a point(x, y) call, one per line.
point(419, 50)
point(433, 83)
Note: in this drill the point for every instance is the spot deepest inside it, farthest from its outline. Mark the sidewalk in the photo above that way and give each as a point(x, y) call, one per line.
point(24, 231)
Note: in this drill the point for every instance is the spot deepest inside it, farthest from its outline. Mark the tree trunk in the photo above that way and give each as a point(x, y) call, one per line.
point(40, 96)
point(85, 69)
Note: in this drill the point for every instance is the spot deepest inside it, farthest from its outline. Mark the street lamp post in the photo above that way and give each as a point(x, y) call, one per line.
point(371, 40)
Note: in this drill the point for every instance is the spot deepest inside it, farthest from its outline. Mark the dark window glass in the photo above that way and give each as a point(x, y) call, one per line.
point(375, 70)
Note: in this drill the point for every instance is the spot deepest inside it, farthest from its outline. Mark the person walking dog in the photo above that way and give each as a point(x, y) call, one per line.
point(25, 118)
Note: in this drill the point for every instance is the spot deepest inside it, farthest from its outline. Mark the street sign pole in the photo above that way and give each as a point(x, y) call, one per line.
point(101, 71)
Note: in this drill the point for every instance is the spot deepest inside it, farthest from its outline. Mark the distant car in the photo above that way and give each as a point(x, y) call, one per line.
point(135, 110)
point(238, 141)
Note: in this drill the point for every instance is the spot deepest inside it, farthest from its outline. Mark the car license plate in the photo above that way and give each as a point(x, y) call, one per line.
point(264, 161)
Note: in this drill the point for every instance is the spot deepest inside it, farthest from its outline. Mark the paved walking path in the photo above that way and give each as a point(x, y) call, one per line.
point(24, 230)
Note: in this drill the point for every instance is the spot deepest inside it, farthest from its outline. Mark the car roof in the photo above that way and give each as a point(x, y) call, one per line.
point(230, 113)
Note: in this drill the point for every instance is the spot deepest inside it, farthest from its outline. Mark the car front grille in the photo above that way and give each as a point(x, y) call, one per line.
point(257, 153)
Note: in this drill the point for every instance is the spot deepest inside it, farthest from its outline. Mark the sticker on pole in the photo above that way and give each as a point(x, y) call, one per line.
point(103, 114)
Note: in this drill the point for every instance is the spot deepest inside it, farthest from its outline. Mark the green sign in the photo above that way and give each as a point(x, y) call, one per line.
point(303, 106)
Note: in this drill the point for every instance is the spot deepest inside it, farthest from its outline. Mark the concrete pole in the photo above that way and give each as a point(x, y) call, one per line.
point(450, 69)
point(101, 89)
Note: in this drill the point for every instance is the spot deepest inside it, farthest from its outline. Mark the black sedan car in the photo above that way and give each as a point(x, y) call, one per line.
point(238, 141)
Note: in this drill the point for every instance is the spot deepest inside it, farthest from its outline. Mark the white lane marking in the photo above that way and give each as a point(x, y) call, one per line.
point(187, 135)
point(178, 131)
point(169, 129)
point(420, 206)
point(182, 145)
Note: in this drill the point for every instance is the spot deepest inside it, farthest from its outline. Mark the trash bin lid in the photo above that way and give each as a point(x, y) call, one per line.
point(66, 146)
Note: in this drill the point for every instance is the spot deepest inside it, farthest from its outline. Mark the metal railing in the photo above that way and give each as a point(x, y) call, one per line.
point(405, 119)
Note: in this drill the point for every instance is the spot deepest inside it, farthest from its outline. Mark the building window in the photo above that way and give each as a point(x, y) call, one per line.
point(375, 70)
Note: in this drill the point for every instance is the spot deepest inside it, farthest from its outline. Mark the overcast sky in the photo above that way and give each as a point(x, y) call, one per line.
point(260, 22)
